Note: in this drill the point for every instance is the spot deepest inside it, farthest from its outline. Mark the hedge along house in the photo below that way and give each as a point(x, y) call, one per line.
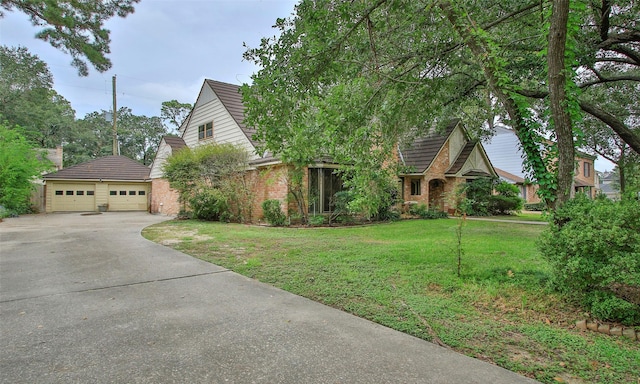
point(113, 183)
point(437, 163)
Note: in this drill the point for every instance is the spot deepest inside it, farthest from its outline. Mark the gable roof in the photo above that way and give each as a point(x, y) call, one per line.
point(174, 142)
point(421, 152)
point(231, 98)
point(108, 167)
point(462, 157)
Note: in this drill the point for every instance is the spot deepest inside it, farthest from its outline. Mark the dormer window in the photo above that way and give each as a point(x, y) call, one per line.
point(205, 131)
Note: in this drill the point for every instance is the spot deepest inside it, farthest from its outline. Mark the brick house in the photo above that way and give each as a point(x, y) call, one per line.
point(217, 117)
point(506, 155)
point(436, 162)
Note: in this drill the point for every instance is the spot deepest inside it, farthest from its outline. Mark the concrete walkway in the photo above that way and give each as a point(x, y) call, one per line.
point(85, 299)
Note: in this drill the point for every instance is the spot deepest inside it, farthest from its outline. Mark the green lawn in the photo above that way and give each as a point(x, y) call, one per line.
point(403, 275)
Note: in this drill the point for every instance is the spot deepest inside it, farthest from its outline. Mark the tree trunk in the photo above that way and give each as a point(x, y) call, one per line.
point(558, 99)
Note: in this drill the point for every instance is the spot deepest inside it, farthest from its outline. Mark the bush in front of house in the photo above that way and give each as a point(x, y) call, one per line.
point(481, 200)
point(594, 249)
point(424, 212)
point(506, 200)
point(539, 207)
point(273, 212)
point(210, 204)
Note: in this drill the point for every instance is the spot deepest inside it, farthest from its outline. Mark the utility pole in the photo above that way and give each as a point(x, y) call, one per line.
point(115, 118)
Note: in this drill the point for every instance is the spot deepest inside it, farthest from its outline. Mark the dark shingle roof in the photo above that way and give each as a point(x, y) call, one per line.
point(108, 168)
point(421, 152)
point(174, 142)
point(231, 98)
point(462, 157)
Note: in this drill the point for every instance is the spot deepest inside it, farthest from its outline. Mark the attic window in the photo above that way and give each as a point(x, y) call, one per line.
point(205, 131)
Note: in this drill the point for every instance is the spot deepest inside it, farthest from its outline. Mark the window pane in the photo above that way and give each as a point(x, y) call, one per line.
point(201, 132)
point(123, 193)
point(89, 193)
point(142, 193)
point(79, 193)
point(132, 193)
point(314, 191)
point(209, 129)
point(326, 190)
point(113, 193)
point(59, 193)
point(69, 193)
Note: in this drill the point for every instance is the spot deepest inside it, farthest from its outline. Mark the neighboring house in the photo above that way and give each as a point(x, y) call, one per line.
point(506, 155)
point(114, 183)
point(606, 185)
point(437, 162)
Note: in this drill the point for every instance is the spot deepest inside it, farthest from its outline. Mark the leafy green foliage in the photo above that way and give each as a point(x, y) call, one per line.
point(173, 113)
point(481, 201)
point(76, 28)
point(273, 212)
point(594, 248)
point(210, 204)
point(424, 212)
point(27, 99)
point(213, 174)
point(20, 165)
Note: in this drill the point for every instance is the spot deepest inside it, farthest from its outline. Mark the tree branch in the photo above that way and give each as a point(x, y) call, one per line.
point(626, 134)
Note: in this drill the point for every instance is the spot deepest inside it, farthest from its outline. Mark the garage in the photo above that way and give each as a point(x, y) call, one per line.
point(73, 197)
point(111, 183)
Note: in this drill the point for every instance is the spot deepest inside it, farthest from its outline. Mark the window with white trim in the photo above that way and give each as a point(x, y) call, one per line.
point(205, 131)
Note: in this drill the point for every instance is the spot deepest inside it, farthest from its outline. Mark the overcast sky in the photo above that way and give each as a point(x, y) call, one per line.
point(161, 52)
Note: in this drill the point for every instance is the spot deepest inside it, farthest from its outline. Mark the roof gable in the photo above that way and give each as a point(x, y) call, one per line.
point(231, 99)
point(108, 167)
point(423, 150)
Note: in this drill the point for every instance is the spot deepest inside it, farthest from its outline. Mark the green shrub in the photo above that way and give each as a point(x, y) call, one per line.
point(504, 205)
point(210, 204)
point(273, 213)
point(424, 212)
point(594, 249)
point(316, 220)
point(607, 306)
point(539, 207)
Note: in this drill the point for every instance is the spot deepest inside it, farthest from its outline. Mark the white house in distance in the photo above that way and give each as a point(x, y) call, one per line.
point(506, 155)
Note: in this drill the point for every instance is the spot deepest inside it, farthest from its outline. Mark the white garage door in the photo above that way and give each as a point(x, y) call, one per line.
point(67, 197)
point(128, 197)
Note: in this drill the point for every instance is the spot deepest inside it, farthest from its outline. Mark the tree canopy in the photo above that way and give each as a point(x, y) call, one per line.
point(345, 77)
point(20, 164)
point(27, 98)
point(76, 28)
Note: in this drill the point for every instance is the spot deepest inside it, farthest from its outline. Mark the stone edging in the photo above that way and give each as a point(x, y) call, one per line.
point(608, 330)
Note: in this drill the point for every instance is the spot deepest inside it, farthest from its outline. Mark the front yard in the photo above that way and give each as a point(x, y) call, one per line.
point(404, 275)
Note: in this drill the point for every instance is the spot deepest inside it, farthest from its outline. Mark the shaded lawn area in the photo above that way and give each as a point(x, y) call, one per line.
point(403, 275)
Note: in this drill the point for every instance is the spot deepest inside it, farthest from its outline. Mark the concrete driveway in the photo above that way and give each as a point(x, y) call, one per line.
point(85, 299)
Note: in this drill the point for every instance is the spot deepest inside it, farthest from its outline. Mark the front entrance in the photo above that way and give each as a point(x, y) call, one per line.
point(436, 194)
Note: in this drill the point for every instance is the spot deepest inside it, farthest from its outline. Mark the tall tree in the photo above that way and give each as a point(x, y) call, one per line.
point(27, 98)
point(20, 163)
point(173, 113)
point(364, 74)
point(76, 28)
